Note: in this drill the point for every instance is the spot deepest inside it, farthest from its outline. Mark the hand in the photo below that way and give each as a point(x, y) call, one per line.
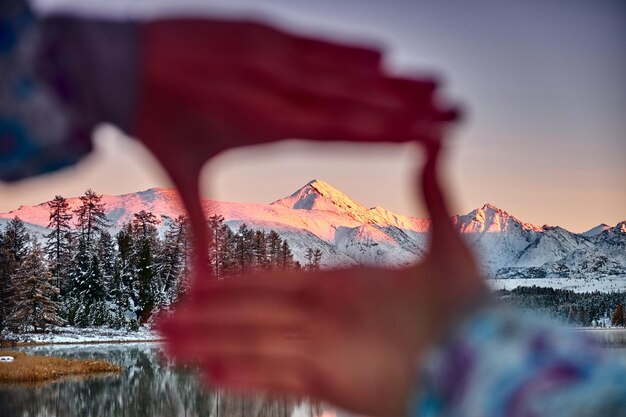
point(210, 85)
point(352, 337)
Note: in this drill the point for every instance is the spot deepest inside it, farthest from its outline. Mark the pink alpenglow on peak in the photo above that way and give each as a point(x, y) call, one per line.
point(491, 219)
point(319, 195)
point(319, 215)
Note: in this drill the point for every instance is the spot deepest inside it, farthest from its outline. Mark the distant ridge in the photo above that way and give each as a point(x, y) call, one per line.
point(319, 215)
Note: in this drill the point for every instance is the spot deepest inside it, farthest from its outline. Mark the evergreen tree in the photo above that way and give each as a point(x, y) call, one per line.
point(145, 235)
point(309, 258)
point(260, 250)
point(58, 240)
point(105, 250)
point(216, 226)
point(4, 281)
point(124, 289)
point(33, 299)
point(313, 259)
point(619, 316)
point(90, 217)
point(274, 245)
point(16, 239)
point(172, 262)
point(91, 297)
point(13, 251)
point(244, 252)
point(286, 257)
point(80, 269)
point(317, 258)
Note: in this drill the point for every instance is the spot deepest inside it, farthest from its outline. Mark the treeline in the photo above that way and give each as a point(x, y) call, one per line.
point(582, 309)
point(83, 275)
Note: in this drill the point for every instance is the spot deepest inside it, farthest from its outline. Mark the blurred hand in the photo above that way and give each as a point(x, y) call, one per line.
point(351, 337)
point(210, 85)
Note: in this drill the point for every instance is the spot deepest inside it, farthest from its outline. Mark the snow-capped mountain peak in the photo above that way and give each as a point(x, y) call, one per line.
point(319, 195)
point(595, 231)
point(490, 219)
point(320, 216)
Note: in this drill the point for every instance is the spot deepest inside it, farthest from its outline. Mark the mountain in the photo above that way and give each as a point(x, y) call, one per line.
point(348, 233)
point(595, 231)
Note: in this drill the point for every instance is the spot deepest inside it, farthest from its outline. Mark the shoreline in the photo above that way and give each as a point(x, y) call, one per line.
point(611, 337)
point(79, 335)
point(11, 344)
point(28, 368)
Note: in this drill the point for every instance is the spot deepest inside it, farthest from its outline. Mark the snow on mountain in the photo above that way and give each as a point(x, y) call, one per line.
point(321, 196)
point(497, 237)
point(595, 231)
point(550, 245)
point(162, 202)
point(348, 233)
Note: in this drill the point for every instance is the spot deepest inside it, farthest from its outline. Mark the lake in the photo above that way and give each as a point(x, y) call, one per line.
point(148, 386)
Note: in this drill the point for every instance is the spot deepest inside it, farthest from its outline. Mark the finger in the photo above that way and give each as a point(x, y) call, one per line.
point(232, 39)
point(260, 373)
point(182, 166)
point(218, 341)
point(244, 116)
point(257, 70)
point(272, 309)
point(445, 242)
point(257, 284)
point(449, 260)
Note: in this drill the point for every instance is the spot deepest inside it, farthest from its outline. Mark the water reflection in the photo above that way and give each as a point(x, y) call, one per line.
point(148, 386)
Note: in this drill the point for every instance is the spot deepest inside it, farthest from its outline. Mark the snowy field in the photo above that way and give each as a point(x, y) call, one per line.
point(605, 284)
point(83, 335)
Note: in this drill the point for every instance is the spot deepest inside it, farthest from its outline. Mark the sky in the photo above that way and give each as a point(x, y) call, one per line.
point(542, 84)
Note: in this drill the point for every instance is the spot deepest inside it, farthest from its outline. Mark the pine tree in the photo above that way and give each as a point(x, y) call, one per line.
point(309, 258)
point(216, 226)
point(172, 262)
point(33, 299)
point(313, 259)
point(619, 316)
point(80, 268)
point(317, 258)
point(7, 272)
point(145, 235)
point(105, 250)
point(13, 250)
point(229, 258)
point(91, 295)
point(90, 217)
point(244, 252)
point(260, 252)
point(58, 240)
point(123, 288)
point(274, 245)
point(16, 239)
point(286, 257)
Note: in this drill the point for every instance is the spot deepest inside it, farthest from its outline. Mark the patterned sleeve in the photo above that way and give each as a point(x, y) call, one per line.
point(59, 76)
point(502, 362)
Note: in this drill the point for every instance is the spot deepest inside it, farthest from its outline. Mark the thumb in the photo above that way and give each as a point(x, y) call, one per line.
point(446, 245)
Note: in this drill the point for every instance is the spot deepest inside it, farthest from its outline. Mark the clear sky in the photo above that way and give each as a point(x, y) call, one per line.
point(543, 84)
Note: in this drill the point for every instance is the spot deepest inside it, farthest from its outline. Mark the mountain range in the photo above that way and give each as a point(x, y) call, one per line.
point(348, 233)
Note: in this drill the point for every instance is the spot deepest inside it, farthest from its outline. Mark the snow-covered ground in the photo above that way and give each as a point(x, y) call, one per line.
point(82, 335)
point(604, 284)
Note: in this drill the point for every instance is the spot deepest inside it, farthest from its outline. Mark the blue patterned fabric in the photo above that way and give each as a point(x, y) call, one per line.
point(41, 126)
point(503, 362)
